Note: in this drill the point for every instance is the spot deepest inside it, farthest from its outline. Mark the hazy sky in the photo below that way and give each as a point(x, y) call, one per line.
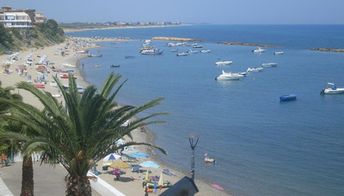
point(190, 11)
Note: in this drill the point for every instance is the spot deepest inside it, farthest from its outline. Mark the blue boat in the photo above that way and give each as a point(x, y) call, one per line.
point(290, 97)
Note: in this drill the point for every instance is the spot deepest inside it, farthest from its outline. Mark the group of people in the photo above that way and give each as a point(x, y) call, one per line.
point(4, 160)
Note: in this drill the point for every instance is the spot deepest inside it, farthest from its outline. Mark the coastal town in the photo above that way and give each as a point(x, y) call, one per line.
point(131, 171)
point(114, 98)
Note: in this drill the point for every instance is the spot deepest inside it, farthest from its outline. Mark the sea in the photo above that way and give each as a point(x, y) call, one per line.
point(262, 146)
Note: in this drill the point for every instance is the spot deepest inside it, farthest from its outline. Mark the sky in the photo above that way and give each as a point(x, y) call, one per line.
point(190, 11)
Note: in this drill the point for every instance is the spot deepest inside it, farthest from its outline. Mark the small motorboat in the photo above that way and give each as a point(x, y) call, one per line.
point(269, 64)
point(285, 98)
point(182, 54)
point(193, 51)
point(229, 76)
point(258, 50)
point(171, 44)
point(278, 53)
point(254, 69)
point(205, 51)
point(223, 62)
point(151, 51)
point(208, 159)
point(197, 46)
point(114, 66)
point(331, 89)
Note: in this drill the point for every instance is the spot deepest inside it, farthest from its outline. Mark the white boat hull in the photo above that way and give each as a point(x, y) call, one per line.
point(330, 91)
point(223, 62)
point(269, 65)
point(229, 76)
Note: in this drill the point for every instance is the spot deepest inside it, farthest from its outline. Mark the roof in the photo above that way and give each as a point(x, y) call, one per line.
point(184, 187)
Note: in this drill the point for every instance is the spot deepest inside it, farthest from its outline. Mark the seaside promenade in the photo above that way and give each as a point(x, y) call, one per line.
point(48, 180)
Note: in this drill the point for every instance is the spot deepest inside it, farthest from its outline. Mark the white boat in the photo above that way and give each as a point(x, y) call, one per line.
point(171, 44)
point(254, 69)
point(223, 62)
point(193, 51)
point(269, 64)
point(151, 51)
point(258, 50)
point(208, 159)
point(205, 51)
point(147, 41)
point(182, 54)
point(278, 53)
point(331, 89)
point(229, 76)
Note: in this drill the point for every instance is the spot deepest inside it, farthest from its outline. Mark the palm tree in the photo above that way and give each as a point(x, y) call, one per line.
point(15, 135)
point(82, 130)
point(12, 141)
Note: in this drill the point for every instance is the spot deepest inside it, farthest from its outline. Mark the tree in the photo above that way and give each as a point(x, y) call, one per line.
point(82, 130)
point(13, 136)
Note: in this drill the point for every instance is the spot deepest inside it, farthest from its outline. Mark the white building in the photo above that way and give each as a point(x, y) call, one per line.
point(15, 19)
point(39, 18)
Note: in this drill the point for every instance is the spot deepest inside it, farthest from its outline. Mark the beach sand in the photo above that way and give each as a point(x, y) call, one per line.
point(129, 183)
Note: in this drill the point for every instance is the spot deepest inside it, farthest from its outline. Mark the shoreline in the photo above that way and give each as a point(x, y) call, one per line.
point(74, 58)
point(71, 30)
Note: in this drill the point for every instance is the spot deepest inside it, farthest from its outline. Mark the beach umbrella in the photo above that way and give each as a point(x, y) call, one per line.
point(119, 164)
point(147, 176)
point(161, 180)
point(111, 157)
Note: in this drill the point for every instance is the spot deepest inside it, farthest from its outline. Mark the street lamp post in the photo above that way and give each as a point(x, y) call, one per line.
point(193, 140)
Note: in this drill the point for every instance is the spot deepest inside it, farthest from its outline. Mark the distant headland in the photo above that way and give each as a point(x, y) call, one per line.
point(248, 44)
point(328, 49)
point(79, 26)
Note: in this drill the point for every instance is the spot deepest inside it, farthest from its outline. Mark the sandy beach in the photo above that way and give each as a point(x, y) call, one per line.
point(130, 183)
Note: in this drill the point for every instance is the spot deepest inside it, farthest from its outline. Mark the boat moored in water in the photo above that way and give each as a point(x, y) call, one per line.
point(151, 51)
point(278, 53)
point(269, 64)
point(208, 159)
point(258, 50)
point(285, 98)
point(182, 54)
point(223, 62)
point(254, 69)
point(205, 51)
point(229, 76)
point(331, 89)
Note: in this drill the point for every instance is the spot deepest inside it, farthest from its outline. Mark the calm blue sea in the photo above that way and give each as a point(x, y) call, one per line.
point(262, 146)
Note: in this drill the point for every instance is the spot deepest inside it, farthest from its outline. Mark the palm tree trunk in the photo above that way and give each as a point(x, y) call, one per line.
point(78, 186)
point(27, 177)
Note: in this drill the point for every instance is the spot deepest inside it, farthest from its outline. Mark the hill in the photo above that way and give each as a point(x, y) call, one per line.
point(48, 33)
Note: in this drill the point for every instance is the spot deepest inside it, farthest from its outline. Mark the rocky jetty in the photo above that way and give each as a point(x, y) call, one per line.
point(179, 39)
point(328, 49)
point(247, 44)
